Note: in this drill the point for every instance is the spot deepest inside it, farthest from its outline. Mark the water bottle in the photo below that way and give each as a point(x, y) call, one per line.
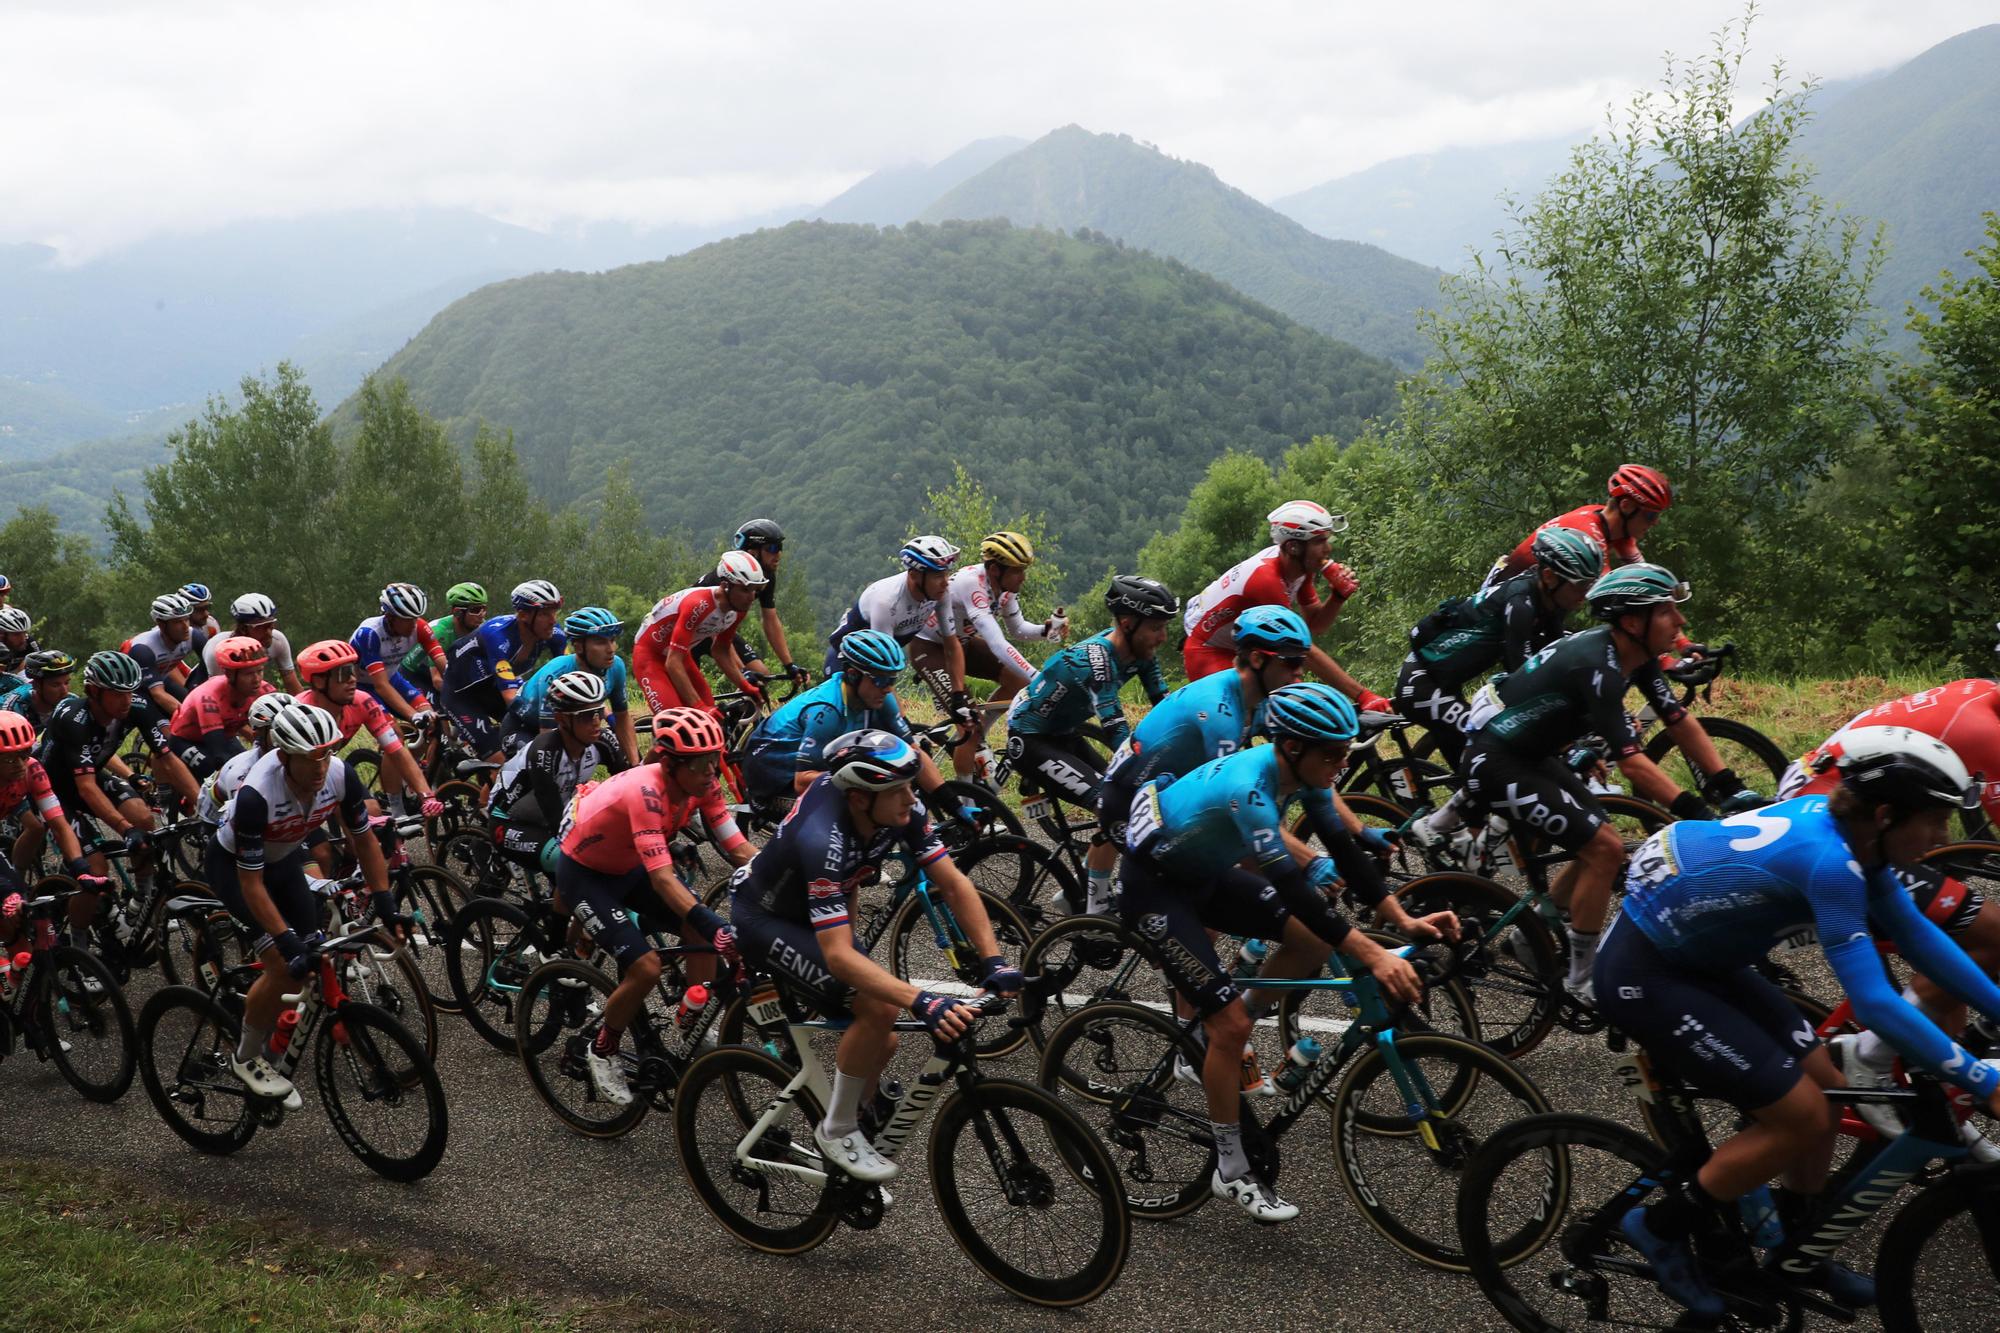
point(1305, 1051)
point(1250, 958)
point(693, 1000)
point(288, 1026)
point(1760, 1218)
point(6, 977)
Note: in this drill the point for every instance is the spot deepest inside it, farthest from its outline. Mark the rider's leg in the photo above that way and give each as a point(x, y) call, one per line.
point(864, 1052)
point(1584, 887)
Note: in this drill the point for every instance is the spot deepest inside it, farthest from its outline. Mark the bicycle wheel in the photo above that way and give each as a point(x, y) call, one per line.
point(86, 1029)
point(185, 1040)
point(381, 1092)
point(771, 1194)
point(1942, 1249)
point(1754, 756)
point(560, 1009)
point(472, 856)
point(1515, 976)
point(1029, 1193)
point(189, 940)
point(1324, 1014)
point(434, 897)
point(385, 976)
point(1402, 1166)
point(952, 967)
point(1031, 877)
point(366, 766)
point(1086, 960)
point(1113, 1064)
point(489, 949)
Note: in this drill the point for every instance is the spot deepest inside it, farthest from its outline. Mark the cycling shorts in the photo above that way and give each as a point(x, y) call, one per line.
point(927, 660)
point(980, 662)
point(656, 687)
point(1201, 659)
point(85, 825)
point(1068, 768)
point(284, 881)
point(1173, 920)
point(1114, 805)
point(479, 711)
point(1544, 796)
point(789, 951)
point(609, 907)
point(1423, 700)
point(205, 757)
point(522, 841)
point(1732, 1035)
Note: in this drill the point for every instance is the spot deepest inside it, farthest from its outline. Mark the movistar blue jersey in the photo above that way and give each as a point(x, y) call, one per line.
point(797, 734)
point(1200, 721)
point(532, 703)
point(1716, 896)
point(1079, 683)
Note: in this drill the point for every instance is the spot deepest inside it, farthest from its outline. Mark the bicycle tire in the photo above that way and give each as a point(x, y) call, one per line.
point(388, 1067)
point(1095, 959)
point(474, 858)
point(387, 977)
point(184, 938)
point(1444, 1138)
point(1515, 978)
point(366, 765)
point(440, 894)
point(913, 950)
point(550, 1034)
point(717, 1087)
point(1000, 1113)
point(483, 966)
point(1897, 1263)
point(200, 1069)
point(1033, 878)
point(1723, 731)
point(70, 1011)
point(464, 808)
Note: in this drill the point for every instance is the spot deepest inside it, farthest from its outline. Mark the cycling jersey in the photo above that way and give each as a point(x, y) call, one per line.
point(211, 707)
point(75, 744)
point(1569, 689)
point(382, 655)
point(21, 699)
point(628, 821)
point(532, 705)
point(888, 605)
point(1210, 617)
point(685, 622)
point(1078, 683)
point(279, 651)
point(1198, 722)
point(1497, 626)
point(157, 658)
point(816, 858)
point(12, 658)
point(1964, 715)
point(1714, 896)
point(222, 785)
point(536, 785)
point(978, 610)
point(266, 821)
point(495, 652)
point(32, 787)
point(794, 739)
point(364, 712)
point(444, 632)
point(1588, 520)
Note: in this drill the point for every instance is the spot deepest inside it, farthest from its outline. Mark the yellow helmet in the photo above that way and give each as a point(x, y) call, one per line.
point(1009, 548)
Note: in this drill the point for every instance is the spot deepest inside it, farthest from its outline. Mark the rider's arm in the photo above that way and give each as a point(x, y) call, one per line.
point(1362, 872)
point(1934, 953)
point(1151, 681)
point(1520, 623)
point(166, 765)
point(1017, 623)
point(729, 658)
point(353, 815)
point(405, 764)
point(1903, 1025)
point(1330, 671)
point(248, 818)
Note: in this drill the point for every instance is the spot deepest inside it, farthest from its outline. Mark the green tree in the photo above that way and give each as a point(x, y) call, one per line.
point(402, 504)
point(509, 531)
point(58, 580)
point(964, 511)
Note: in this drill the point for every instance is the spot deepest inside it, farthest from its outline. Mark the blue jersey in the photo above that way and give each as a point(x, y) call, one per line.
point(1198, 722)
point(795, 737)
point(1206, 821)
point(817, 858)
point(1716, 896)
point(495, 652)
point(1079, 683)
point(532, 703)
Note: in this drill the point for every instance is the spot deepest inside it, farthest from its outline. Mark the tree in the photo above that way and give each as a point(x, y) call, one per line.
point(964, 512)
point(58, 580)
point(402, 504)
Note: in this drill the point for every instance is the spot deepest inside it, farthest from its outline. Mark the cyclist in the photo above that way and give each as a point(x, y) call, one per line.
point(663, 656)
point(332, 669)
point(1704, 902)
point(764, 540)
point(616, 843)
point(485, 667)
point(161, 652)
point(787, 752)
point(382, 641)
point(256, 866)
point(209, 722)
point(905, 606)
point(16, 639)
point(46, 683)
point(790, 909)
point(1181, 878)
point(984, 594)
point(202, 624)
point(468, 612)
point(24, 785)
point(6, 589)
point(593, 647)
point(256, 617)
point(215, 792)
point(1523, 725)
point(1279, 575)
point(1203, 720)
point(534, 787)
point(1638, 494)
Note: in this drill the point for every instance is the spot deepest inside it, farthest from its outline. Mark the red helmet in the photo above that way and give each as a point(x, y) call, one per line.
point(327, 655)
point(17, 734)
point(687, 731)
point(240, 652)
point(1645, 487)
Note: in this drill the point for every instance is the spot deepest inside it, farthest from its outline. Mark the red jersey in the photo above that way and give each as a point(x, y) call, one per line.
point(364, 712)
point(213, 706)
point(685, 620)
point(1588, 520)
point(628, 820)
point(32, 785)
point(1211, 617)
point(1964, 715)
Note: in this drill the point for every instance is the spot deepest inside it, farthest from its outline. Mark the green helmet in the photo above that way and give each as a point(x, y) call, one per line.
point(1575, 556)
point(1634, 588)
point(112, 671)
point(465, 594)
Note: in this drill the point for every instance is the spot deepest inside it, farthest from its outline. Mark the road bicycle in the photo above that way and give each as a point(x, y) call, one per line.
point(64, 1004)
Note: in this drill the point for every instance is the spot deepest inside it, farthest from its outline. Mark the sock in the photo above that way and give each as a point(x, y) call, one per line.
point(1582, 953)
point(397, 805)
point(1099, 889)
point(606, 1040)
point(1449, 816)
point(252, 1043)
point(1677, 1212)
point(843, 1109)
point(1231, 1163)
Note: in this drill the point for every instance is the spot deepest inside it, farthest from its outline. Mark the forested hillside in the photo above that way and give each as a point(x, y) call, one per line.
point(830, 375)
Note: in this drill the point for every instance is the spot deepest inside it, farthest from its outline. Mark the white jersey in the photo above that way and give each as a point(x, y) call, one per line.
point(887, 605)
point(215, 792)
point(979, 611)
point(266, 821)
point(1210, 616)
point(280, 651)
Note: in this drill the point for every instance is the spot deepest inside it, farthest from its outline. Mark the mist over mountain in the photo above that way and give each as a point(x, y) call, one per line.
point(895, 195)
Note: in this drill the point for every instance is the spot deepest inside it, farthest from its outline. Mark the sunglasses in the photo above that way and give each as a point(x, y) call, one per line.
point(884, 682)
point(580, 715)
point(343, 673)
point(1291, 660)
point(775, 548)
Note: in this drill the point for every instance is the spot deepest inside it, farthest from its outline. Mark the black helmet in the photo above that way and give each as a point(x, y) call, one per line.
point(760, 532)
point(1131, 595)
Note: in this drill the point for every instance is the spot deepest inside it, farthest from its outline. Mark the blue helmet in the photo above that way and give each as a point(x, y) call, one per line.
point(196, 592)
point(871, 761)
point(931, 553)
point(593, 622)
point(874, 652)
point(1274, 629)
point(1310, 712)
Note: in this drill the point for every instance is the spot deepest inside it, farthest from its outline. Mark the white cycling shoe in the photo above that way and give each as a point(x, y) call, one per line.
point(607, 1075)
point(854, 1154)
point(262, 1080)
point(1583, 992)
point(1254, 1197)
point(1879, 1116)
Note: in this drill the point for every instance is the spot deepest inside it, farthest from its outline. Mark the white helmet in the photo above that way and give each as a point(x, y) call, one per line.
point(742, 569)
point(13, 620)
point(304, 729)
point(576, 692)
point(1899, 766)
point(1303, 520)
point(171, 606)
point(253, 608)
point(934, 554)
point(265, 709)
point(536, 595)
point(406, 600)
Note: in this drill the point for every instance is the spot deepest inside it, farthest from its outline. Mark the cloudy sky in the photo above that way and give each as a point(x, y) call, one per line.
point(120, 119)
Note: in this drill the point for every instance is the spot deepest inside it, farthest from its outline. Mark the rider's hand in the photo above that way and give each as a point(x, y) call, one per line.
point(137, 839)
point(432, 807)
point(943, 1016)
point(1371, 702)
point(79, 869)
point(1398, 980)
point(796, 673)
point(962, 711)
point(293, 950)
point(12, 906)
point(1002, 977)
point(423, 718)
point(1431, 926)
point(724, 941)
point(752, 689)
point(1055, 629)
point(1384, 843)
point(1340, 579)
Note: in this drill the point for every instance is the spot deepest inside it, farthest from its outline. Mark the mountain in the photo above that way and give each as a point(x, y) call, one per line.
point(1114, 185)
point(896, 195)
point(829, 375)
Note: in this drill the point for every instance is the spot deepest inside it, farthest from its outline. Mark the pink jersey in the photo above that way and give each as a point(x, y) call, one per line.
point(685, 620)
point(213, 706)
point(1964, 715)
point(364, 712)
point(1211, 617)
point(32, 785)
point(629, 820)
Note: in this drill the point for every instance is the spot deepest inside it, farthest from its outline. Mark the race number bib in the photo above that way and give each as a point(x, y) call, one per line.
point(1142, 826)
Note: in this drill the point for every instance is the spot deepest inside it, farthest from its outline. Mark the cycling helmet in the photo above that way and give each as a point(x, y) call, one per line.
point(1011, 549)
point(5, 583)
point(111, 670)
point(465, 594)
point(13, 620)
point(928, 553)
point(239, 652)
point(871, 761)
point(1303, 520)
point(1900, 767)
point(197, 594)
point(327, 655)
point(592, 622)
point(265, 707)
point(874, 652)
point(1649, 488)
point(1131, 595)
point(1310, 712)
point(46, 663)
point(171, 606)
point(406, 600)
point(577, 692)
point(303, 729)
point(1576, 557)
point(253, 608)
point(536, 595)
point(760, 532)
point(740, 569)
point(1634, 588)
point(687, 731)
point(1274, 629)
point(17, 734)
